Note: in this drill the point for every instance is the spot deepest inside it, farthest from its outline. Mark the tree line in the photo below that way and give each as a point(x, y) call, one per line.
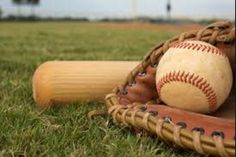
point(20, 3)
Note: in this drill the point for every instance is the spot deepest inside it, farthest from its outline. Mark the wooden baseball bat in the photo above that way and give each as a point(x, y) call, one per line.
point(61, 82)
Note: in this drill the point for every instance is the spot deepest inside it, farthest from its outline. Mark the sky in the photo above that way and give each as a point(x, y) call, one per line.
point(95, 9)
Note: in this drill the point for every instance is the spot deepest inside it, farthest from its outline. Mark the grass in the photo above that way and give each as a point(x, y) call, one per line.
point(26, 130)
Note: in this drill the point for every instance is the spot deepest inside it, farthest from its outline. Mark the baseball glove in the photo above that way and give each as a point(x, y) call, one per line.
point(136, 103)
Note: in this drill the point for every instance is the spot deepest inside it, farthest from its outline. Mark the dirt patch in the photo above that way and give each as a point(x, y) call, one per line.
point(148, 26)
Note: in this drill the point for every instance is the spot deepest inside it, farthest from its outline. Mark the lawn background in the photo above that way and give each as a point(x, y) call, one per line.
point(66, 131)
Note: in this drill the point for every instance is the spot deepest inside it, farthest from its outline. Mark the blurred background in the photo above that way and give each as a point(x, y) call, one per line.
point(107, 10)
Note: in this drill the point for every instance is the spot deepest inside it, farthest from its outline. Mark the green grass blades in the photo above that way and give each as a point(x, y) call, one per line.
point(26, 130)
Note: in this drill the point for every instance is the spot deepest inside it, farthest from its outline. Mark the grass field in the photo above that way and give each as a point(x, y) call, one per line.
point(66, 131)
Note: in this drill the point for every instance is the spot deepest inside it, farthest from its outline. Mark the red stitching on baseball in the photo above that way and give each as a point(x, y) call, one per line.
point(198, 47)
point(195, 80)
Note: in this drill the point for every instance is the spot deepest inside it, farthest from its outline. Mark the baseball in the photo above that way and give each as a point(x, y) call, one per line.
point(194, 76)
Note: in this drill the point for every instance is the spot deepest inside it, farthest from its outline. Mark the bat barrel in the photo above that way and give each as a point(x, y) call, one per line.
point(61, 82)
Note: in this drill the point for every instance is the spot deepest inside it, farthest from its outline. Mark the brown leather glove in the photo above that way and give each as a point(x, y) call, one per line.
point(136, 104)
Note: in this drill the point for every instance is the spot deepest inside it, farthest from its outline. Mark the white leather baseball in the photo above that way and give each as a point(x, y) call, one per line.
point(195, 76)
